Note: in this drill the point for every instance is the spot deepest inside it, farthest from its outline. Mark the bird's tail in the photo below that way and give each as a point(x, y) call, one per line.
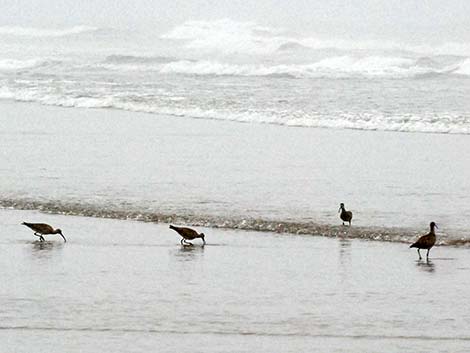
point(172, 227)
point(413, 245)
point(24, 223)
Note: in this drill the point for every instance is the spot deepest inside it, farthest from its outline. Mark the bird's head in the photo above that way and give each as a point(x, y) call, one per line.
point(59, 231)
point(433, 225)
point(341, 206)
point(202, 237)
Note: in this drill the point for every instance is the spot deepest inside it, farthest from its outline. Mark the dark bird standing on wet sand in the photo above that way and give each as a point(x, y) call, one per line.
point(346, 216)
point(187, 234)
point(41, 229)
point(426, 241)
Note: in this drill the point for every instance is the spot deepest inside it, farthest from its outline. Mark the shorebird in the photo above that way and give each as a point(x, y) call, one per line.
point(41, 229)
point(426, 241)
point(187, 234)
point(346, 216)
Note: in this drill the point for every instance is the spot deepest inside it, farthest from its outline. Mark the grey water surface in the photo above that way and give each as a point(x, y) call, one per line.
point(125, 286)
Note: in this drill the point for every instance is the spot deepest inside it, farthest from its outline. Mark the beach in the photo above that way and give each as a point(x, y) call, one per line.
point(253, 133)
point(136, 165)
point(127, 286)
point(124, 282)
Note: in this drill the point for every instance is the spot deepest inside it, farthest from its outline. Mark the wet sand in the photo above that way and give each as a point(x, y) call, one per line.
point(126, 286)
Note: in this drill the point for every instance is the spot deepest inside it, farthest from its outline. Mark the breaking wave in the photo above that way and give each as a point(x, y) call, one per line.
point(232, 37)
point(449, 123)
point(345, 66)
point(395, 234)
point(334, 67)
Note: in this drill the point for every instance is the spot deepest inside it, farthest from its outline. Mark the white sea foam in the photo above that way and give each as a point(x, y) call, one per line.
point(230, 37)
point(336, 66)
point(44, 32)
point(227, 36)
point(464, 68)
point(226, 27)
point(14, 64)
point(429, 122)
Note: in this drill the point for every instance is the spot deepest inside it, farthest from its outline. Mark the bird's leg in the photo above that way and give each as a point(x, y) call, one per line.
point(182, 239)
point(419, 255)
point(343, 223)
point(350, 223)
point(41, 238)
point(188, 243)
point(427, 254)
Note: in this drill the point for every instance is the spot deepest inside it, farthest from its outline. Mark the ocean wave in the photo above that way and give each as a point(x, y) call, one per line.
point(291, 46)
point(463, 68)
point(45, 32)
point(334, 67)
point(233, 37)
point(21, 65)
point(126, 59)
point(229, 37)
point(428, 123)
point(395, 234)
point(76, 101)
point(14, 64)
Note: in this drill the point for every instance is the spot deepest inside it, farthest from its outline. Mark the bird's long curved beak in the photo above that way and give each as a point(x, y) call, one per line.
point(65, 240)
point(435, 225)
point(339, 210)
point(203, 241)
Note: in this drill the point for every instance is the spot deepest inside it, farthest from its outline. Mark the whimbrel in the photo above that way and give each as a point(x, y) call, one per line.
point(426, 241)
point(187, 234)
point(346, 216)
point(41, 229)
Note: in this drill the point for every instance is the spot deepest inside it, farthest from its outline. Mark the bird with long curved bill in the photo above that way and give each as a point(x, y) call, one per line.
point(41, 229)
point(426, 241)
point(188, 234)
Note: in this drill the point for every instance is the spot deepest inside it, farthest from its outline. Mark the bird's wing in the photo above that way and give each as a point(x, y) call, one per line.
point(40, 227)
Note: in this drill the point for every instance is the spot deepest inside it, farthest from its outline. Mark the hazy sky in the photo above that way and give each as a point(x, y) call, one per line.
point(442, 19)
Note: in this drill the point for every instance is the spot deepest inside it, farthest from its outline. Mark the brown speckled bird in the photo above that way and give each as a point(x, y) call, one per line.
point(426, 241)
point(187, 234)
point(346, 216)
point(41, 229)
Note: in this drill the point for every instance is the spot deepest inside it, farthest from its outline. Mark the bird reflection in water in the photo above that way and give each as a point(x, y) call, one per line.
point(188, 253)
point(426, 265)
point(45, 248)
point(345, 259)
point(344, 250)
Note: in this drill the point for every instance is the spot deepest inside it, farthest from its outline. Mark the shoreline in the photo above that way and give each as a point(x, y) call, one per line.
point(132, 281)
point(380, 234)
point(206, 118)
point(223, 172)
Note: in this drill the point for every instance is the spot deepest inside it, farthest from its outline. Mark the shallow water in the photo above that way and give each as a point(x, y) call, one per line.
point(133, 165)
point(130, 287)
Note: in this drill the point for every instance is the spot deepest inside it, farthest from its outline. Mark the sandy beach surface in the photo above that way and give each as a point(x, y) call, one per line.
point(126, 286)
